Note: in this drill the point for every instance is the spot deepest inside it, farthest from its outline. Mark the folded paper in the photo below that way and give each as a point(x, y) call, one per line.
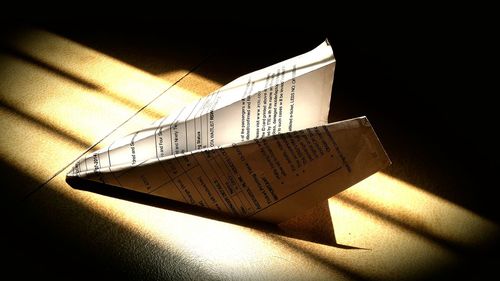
point(258, 147)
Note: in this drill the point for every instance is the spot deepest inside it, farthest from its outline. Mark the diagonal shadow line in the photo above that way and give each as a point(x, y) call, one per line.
point(45, 125)
point(449, 245)
point(80, 81)
point(177, 206)
point(35, 61)
point(320, 259)
point(193, 69)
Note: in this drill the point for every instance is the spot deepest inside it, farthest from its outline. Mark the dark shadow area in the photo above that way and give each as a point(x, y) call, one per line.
point(149, 46)
point(172, 205)
point(321, 259)
point(144, 45)
point(314, 225)
point(14, 187)
point(431, 117)
point(61, 238)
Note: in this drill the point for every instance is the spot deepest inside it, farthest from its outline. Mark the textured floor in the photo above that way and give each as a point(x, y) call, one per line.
point(63, 91)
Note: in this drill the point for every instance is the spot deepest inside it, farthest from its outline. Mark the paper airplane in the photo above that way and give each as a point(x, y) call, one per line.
point(259, 147)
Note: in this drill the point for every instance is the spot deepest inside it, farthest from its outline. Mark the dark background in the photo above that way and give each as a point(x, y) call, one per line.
point(423, 75)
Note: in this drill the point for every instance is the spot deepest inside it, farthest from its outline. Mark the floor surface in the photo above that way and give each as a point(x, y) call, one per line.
point(67, 88)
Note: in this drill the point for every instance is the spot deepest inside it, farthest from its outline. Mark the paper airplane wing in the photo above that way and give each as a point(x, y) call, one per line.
point(271, 179)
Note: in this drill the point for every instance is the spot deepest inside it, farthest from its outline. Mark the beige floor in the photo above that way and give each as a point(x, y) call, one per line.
point(58, 97)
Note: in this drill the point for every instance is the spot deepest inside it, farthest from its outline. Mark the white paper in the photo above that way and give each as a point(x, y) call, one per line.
point(253, 148)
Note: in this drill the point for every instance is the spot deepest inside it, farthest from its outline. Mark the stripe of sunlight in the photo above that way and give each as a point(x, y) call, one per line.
point(35, 150)
point(408, 231)
point(110, 76)
point(42, 94)
point(58, 102)
point(196, 82)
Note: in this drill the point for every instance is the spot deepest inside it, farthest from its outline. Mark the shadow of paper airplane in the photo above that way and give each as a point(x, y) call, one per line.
point(315, 225)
